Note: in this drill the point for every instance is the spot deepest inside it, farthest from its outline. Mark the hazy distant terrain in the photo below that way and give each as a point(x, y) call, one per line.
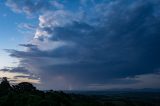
point(25, 94)
point(53, 98)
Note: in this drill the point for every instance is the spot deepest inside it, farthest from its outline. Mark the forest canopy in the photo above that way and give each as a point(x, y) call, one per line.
point(25, 94)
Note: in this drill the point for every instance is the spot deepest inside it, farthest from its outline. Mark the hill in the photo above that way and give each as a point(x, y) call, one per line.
point(25, 94)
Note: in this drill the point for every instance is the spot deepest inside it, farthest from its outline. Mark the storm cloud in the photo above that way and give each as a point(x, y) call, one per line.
point(110, 41)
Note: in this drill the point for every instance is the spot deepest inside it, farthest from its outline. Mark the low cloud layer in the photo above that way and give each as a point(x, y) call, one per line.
point(19, 74)
point(100, 43)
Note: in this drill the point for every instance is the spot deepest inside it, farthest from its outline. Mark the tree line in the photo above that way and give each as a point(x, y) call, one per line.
point(25, 94)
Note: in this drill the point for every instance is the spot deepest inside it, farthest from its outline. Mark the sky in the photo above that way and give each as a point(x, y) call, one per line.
point(81, 44)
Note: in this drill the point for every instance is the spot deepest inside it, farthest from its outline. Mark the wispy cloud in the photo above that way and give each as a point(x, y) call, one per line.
point(19, 74)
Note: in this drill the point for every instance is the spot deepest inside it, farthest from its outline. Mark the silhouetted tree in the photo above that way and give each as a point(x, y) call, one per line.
point(24, 86)
point(4, 86)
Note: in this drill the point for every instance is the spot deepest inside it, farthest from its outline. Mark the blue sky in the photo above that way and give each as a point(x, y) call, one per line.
point(81, 44)
point(7, 36)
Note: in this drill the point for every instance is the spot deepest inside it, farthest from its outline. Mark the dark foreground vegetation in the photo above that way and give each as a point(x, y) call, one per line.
point(25, 94)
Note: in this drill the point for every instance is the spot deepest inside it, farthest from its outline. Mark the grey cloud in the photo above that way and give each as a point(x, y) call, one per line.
point(28, 77)
point(20, 74)
point(16, 69)
point(122, 41)
point(27, 45)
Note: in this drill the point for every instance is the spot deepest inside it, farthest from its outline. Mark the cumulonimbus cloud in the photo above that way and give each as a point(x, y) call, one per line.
point(112, 40)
